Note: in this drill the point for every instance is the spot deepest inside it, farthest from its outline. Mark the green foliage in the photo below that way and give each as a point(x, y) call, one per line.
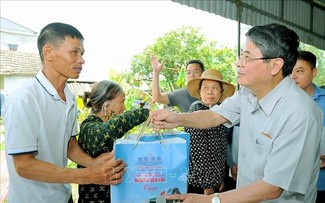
point(2, 135)
point(320, 54)
point(176, 48)
point(83, 112)
point(2, 146)
point(181, 79)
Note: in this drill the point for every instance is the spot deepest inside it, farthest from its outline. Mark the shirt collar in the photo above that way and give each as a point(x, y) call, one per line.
point(48, 87)
point(268, 103)
point(317, 92)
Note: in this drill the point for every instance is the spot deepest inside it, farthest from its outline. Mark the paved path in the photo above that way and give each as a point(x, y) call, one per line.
point(3, 177)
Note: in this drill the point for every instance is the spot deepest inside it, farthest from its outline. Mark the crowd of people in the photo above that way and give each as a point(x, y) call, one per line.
point(279, 108)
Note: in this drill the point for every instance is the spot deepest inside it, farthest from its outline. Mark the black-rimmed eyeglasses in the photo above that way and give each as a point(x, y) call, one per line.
point(243, 60)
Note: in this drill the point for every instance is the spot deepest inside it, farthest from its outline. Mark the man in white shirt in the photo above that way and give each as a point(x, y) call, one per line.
point(41, 126)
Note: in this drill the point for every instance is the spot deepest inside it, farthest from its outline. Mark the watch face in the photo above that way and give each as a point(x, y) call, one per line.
point(215, 200)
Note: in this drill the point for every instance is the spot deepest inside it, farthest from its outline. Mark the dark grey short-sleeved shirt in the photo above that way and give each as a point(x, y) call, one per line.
point(181, 98)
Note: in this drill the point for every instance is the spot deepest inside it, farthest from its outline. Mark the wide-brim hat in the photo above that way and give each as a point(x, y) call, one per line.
point(193, 85)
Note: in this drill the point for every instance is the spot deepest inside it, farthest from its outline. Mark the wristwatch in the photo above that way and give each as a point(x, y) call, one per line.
point(216, 198)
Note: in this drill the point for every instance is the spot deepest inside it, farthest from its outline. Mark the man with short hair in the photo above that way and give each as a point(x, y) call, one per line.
point(181, 97)
point(303, 73)
point(280, 125)
point(41, 126)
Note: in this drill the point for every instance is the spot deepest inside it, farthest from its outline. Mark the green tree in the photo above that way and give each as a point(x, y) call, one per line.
point(176, 48)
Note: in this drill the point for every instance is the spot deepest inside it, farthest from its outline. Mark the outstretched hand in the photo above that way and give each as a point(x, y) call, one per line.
point(156, 66)
point(161, 119)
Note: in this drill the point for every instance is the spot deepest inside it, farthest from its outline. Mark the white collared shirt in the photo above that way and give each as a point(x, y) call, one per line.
point(38, 121)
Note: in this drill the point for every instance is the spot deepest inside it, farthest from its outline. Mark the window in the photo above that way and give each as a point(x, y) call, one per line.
point(13, 47)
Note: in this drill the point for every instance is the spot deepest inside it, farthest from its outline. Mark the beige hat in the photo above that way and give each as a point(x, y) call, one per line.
point(194, 84)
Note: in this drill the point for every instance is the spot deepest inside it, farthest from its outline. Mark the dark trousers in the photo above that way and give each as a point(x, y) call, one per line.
point(192, 189)
point(320, 197)
point(70, 200)
point(230, 184)
point(197, 190)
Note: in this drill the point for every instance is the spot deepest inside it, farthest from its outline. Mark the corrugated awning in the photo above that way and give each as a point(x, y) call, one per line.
point(306, 17)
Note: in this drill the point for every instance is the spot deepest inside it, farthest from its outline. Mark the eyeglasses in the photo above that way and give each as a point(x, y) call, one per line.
point(243, 60)
point(194, 72)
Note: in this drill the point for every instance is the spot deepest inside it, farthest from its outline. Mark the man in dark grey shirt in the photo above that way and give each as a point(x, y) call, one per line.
point(180, 98)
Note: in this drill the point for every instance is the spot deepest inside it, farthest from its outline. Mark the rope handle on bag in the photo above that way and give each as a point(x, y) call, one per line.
point(146, 124)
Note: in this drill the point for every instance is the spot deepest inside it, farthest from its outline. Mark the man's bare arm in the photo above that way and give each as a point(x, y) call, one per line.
point(198, 119)
point(157, 95)
point(252, 193)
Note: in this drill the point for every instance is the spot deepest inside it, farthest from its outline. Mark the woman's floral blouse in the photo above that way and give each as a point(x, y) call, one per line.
point(97, 137)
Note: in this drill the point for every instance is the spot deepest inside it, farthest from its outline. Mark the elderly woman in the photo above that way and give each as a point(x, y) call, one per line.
point(106, 122)
point(208, 147)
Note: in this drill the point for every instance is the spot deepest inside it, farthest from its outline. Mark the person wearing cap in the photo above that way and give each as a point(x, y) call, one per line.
point(208, 147)
point(181, 97)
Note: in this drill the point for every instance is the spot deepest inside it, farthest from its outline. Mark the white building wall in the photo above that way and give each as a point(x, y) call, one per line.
point(26, 43)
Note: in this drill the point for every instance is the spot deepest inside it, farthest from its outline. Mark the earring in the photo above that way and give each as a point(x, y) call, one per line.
point(111, 113)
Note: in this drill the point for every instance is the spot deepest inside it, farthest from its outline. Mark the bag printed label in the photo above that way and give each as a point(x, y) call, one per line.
point(155, 168)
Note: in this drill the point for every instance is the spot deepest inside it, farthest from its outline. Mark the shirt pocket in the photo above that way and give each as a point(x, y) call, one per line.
point(262, 147)
point(263, 138)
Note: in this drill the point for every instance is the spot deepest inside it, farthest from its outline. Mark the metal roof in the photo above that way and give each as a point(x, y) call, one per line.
point(9, 26)
point(79, 87)
point(306, 17)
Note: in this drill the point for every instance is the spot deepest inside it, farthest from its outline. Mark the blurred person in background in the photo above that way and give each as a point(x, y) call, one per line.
point(181, 97)
point(304, 73)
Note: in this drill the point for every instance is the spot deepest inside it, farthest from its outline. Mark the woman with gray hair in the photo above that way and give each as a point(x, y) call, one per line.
point(107, 121)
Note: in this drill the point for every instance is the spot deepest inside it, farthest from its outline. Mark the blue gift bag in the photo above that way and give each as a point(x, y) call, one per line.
point(155, 167)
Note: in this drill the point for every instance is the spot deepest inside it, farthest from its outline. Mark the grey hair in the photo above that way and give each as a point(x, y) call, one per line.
point(101, 92)
point(275, 40)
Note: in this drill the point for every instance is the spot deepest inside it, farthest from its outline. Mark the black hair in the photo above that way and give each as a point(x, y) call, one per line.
point(54, 34)
point(308, 57)
point(197, 62)
point(221, 85)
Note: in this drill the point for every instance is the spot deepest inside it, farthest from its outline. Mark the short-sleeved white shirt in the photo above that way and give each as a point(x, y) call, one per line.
point(279, 139)
point(38, 121)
